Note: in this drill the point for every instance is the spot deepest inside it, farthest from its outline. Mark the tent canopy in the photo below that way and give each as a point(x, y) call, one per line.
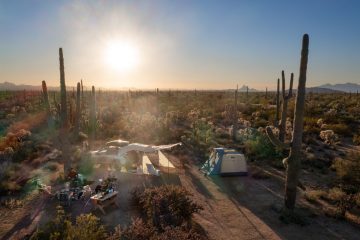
point(144, 148)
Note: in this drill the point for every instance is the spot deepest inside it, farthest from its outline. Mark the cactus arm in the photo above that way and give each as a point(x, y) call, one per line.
point(276, 142)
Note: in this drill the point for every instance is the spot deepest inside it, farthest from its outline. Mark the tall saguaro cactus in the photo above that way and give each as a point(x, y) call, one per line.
point(63, 113)
point(276, 124)
point(293, 161)
point(46, 97)
point(285, 100)
point(78, 110)
point(235, 119)
point(93, 113)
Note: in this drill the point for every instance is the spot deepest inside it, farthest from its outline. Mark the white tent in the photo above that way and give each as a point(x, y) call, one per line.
point(164, 161)
point(148, 168)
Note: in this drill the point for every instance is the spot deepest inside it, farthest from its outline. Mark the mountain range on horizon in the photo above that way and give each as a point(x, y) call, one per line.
point(325, 88)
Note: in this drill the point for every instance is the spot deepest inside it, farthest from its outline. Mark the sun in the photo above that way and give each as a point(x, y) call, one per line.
point(122, 56)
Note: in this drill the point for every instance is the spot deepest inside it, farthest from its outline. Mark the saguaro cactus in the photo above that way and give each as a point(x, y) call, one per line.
point(293, 161)
point(93, 113)
point(235, 119)
point(46, 96)
point(63, 113)
point(266, 94)
point(285, 100)
point(276, 123)
point(78, 110)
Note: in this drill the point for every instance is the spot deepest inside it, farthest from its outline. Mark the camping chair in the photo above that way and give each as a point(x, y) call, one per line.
point(64, 198)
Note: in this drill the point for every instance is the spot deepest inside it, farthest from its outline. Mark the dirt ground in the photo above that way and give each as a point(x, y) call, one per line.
point(234, 207)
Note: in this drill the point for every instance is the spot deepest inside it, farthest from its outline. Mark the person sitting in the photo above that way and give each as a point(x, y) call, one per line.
point(98, 188)
point(72, 175)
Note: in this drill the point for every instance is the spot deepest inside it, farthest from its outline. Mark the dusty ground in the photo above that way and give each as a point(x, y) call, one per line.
point(234, 207)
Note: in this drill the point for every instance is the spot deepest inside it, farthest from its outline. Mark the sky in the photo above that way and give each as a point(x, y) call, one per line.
point(179, 44)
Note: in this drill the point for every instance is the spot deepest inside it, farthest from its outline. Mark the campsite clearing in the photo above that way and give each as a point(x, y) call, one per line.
point(238, 207)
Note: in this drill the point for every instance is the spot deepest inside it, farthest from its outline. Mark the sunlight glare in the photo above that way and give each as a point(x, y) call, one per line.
point(122, 56)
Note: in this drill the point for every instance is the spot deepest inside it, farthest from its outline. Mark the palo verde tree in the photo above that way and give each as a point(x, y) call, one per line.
point(293, 161)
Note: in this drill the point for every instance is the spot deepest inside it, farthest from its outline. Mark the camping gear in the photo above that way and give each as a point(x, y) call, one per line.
point(64, 196)
point(102, 200)
point(223, 161)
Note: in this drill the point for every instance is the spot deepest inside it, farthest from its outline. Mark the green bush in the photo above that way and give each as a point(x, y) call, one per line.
point(258, 146)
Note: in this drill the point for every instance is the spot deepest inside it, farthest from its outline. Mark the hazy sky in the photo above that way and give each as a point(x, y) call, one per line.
point(180, 44)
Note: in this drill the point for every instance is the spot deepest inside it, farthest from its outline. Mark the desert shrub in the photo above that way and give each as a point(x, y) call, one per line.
point(340, 129)
point(357, 200)
point(179, 233)
point(356, 139)
point(140, 230)
point(86, 227)
point(329, 137)
point(348, 169)
point(344, 204)
point(261, 123)
point(314, 195)
point(311, 125)
point(336, 194)
point(167, 205)
point(12, 203)
point(258, 146)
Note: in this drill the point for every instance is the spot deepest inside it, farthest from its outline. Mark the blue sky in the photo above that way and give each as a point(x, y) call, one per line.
point(182, 44)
